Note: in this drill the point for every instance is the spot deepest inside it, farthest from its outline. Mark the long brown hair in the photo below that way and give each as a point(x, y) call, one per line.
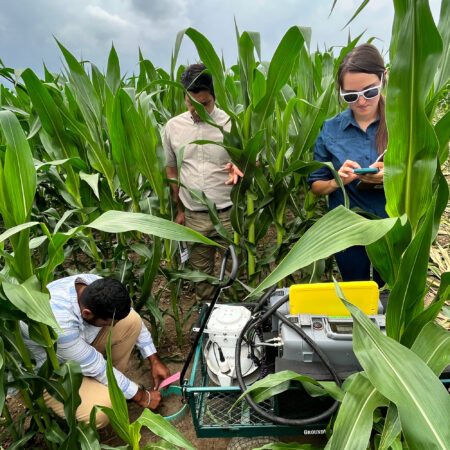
point(367, 59)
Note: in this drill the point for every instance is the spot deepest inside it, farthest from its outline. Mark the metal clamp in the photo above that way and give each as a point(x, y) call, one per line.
point(274, 342)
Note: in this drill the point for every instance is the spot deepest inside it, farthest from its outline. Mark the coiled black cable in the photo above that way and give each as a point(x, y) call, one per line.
point(253, 322)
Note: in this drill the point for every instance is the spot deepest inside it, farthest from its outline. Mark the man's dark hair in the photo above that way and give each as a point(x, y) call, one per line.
point(194, 79)
point(106, 298)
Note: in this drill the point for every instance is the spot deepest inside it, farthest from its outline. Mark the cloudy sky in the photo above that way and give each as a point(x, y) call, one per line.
point(88, 27)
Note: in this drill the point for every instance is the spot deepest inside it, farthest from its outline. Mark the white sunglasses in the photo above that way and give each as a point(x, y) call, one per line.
point(368, 94)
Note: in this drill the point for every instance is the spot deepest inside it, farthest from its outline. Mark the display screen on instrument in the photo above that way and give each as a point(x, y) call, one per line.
point(341, 328)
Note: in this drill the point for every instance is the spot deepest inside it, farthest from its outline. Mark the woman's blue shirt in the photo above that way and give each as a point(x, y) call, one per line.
point(342, 138)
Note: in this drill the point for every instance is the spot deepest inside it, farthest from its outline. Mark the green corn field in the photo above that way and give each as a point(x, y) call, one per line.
point(83, 188)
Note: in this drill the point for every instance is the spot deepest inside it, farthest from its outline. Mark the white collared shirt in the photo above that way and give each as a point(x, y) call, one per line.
point(203, 165)
point(76, 335)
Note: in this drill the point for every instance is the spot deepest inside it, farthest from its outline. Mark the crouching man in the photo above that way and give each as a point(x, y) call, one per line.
point(84, 307)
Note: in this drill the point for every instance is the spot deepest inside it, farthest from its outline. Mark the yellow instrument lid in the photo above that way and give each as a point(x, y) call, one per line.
point(321, 298)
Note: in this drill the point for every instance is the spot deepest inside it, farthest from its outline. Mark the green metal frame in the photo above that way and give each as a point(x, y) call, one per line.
point(213, 416)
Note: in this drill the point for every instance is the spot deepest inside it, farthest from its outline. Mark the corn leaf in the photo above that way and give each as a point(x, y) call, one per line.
point(87, 438)
point(209, 57)
point(386, 253)
point(127, 169)
point(142, 142)
point(360, 8)
point(336, 231)
point(75, 162)
point(392, 428)
point(28, 298)
point(412, 151)
point(433, 346)
point(161, 427)
point(313, 120)
point(246, 161)
point(121, 428)
point(120, 222)
point(20, 182)
point(92, 180)
point(17, 229)
point(90, 106)
point(279, 70)
point(70, 381)
point(246, 66)
point(2, 375)
point(160, 445)
point(113, 71)
point(55, 256)
point(57, 141)
point(200, 197)
point(354, 421)
point(19, 444)
point(118, 414)
point(441, 186)
point(405, 300)
point(279, 382)
point(350, 46)
point(176, 50)
point(442, 129)
point(150, 272)
point(403, 377)
point(7, 214)
point(89, 102)
point(428, 314)
point(119, 405)
point(443, 73)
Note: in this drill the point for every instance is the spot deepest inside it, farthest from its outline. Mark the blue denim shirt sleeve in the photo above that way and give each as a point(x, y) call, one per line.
point(341, 139)
point(321, 155)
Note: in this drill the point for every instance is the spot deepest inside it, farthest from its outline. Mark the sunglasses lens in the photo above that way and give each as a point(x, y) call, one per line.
point(372, 93)
point(350, 98)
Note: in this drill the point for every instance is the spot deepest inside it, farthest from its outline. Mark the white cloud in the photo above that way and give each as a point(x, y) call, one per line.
point(87, 27)
point(100, 13)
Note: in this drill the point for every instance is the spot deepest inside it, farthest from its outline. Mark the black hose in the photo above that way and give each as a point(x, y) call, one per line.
point(322, 355)
point(252, 323)
point(263, 300)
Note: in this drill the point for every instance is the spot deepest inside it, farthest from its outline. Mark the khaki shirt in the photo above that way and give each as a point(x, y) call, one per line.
point(203, 166)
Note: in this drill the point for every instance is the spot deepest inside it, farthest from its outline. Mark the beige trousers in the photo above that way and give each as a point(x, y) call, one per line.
point(124, 336)
point(202, 256)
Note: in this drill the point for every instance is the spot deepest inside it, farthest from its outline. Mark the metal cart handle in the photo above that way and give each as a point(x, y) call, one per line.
point(229, 251)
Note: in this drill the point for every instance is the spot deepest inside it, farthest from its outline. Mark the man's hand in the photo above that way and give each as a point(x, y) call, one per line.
point(142, 398)
point(159, 370)
point(234, 173)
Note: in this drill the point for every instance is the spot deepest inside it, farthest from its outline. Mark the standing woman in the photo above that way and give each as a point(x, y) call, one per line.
point(355, 138)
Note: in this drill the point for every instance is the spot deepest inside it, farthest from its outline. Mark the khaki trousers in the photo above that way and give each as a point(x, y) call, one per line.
point(124, 336)
point(201, 256)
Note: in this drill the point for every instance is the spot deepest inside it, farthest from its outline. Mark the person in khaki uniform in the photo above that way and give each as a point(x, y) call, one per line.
point(205, 167)
point(84, 306)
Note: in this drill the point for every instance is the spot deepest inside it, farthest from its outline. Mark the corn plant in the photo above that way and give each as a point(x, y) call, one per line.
point(84, 149)
point(276, 110)
point(401, 371)
point(130, 432)
point(24, 297)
